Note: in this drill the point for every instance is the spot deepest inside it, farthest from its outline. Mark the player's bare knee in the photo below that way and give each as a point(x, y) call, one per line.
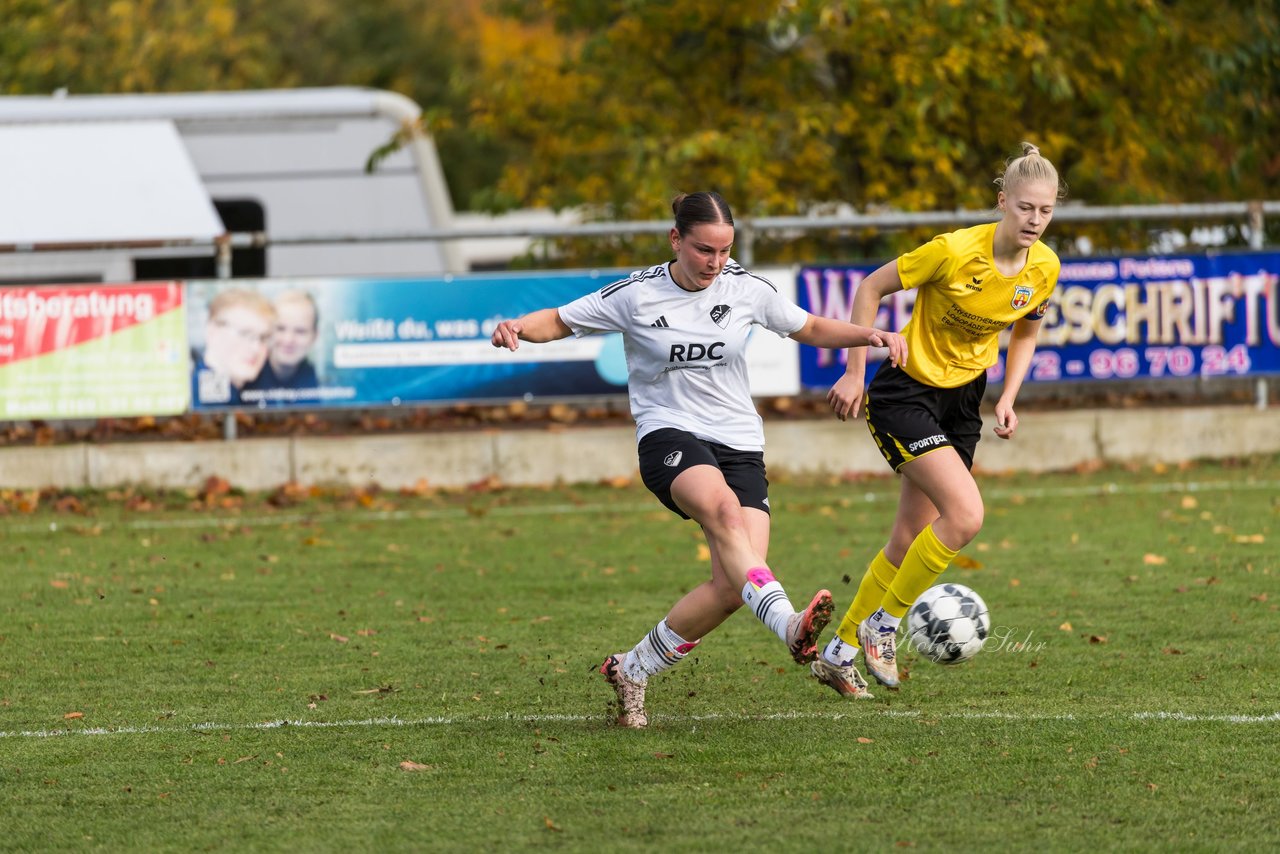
point(724, 519)
point(965, 522)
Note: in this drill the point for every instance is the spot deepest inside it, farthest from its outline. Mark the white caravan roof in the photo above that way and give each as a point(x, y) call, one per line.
point(301, 153)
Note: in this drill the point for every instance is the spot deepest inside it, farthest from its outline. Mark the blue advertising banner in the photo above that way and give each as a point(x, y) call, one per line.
point(376, 342)
point(1109, 318)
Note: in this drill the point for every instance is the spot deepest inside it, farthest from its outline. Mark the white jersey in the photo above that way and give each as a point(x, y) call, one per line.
point(686, 350)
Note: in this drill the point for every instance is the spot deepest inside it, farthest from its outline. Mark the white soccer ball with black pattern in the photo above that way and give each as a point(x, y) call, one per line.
point(948, 624)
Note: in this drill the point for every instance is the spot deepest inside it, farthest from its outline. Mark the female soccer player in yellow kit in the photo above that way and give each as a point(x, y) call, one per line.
point(971, 284)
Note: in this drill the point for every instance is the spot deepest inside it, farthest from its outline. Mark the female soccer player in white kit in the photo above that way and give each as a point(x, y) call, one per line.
point(685, 325)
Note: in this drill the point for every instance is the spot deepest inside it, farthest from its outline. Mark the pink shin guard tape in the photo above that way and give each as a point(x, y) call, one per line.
point(760, 576)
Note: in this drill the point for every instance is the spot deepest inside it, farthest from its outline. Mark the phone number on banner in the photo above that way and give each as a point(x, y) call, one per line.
point(1101, 363)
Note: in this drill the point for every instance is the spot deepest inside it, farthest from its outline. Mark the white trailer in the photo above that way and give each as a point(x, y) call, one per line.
point(144, 172)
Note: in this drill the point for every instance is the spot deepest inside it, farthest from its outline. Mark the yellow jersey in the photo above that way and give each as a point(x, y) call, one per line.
point(963, 302)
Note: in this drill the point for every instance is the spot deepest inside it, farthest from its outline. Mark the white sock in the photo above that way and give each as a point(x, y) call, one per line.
point(882, 620)
point(839, 653)
point(660, 650)
point(764, 595)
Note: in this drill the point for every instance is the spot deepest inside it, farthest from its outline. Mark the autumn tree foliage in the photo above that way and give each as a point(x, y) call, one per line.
point(786, 106)
point(424, 50)
point(793, 106)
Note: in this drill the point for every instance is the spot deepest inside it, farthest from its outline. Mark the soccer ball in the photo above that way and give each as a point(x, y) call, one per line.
point(948, 623)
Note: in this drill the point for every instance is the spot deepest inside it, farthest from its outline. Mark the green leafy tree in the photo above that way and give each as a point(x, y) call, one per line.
point(125, 46)
point(135, 46)
point(797, 106)
point(786, 106)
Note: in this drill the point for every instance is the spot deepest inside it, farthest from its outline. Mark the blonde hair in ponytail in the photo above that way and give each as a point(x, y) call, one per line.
point(1029, 167)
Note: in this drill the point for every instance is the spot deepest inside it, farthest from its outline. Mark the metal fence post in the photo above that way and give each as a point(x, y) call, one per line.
point(747, 243)
point(1257, 226)
point(222, 248)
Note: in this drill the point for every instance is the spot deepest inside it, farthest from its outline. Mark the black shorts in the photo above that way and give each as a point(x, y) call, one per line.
point(908, 418)
point(667, 452)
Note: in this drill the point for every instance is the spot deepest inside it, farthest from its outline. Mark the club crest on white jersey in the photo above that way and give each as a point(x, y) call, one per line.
point(720, 315)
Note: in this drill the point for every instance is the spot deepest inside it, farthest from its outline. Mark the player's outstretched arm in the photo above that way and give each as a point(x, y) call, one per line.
point(536, 327)
point(836, 334)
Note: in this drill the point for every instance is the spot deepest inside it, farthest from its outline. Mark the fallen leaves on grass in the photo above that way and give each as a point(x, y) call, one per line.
point(214, 487)
point(413, 766)
point(289, 495)
point(421, 487)
point(1154, 559)
point(73, 716)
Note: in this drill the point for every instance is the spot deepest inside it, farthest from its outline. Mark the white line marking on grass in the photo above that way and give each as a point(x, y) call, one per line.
point(232, 522)
point(1229, 719)
point(1174, 717)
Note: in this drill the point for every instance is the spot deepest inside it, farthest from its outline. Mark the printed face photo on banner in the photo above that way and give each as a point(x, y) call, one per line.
point(255, 344)
point(238, 335)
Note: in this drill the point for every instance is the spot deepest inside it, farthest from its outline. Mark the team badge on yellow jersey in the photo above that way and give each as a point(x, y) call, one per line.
point(1021, 296)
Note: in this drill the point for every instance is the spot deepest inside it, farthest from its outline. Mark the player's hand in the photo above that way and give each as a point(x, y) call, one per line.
point(896, 344)
point(1006, 420)
point(507, 334)
point(845, 396)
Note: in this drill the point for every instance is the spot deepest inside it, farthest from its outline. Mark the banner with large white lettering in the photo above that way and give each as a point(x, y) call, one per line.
point(1108, 319)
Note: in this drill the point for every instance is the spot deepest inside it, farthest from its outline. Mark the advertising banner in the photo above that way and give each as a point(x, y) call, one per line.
point(92, 351)
point(1109, 318)
point(378, 342)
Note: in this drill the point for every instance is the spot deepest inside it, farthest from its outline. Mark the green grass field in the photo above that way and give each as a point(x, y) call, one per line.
point(387, 672)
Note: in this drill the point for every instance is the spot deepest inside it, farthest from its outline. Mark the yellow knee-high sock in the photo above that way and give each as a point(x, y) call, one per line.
point(924, 562)
point(875, 583)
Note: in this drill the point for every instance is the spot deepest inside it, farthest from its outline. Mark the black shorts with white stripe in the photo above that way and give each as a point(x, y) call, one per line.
point(667, 452)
